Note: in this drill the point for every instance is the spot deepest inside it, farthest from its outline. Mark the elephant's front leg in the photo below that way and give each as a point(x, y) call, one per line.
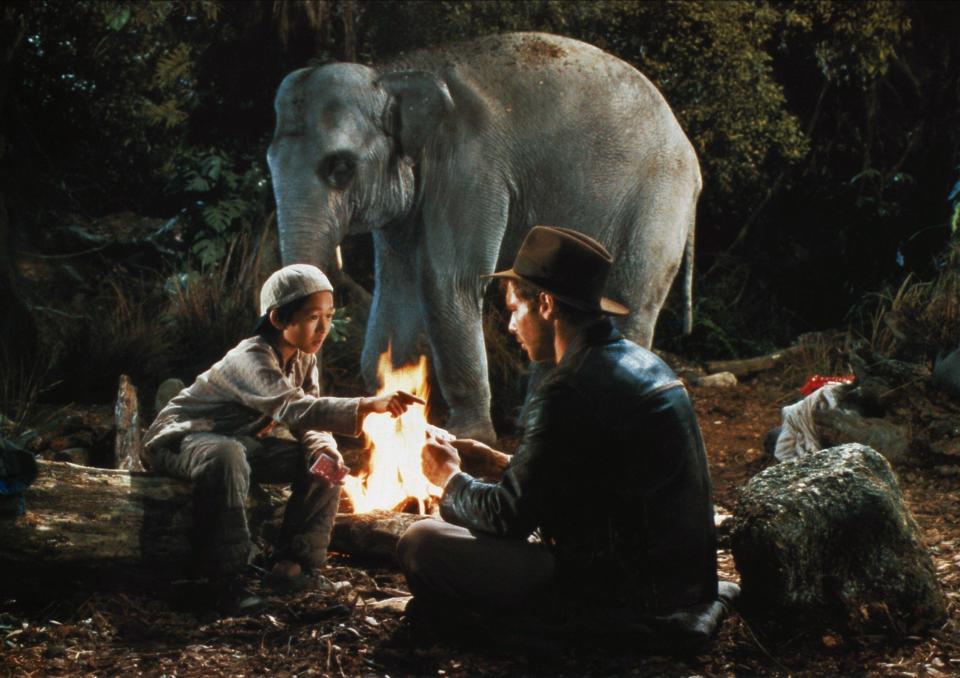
point(452, 309)
point(395, 322)
point(461, 242)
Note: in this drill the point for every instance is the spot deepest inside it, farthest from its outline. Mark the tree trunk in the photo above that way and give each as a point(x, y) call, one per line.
point(127, 413)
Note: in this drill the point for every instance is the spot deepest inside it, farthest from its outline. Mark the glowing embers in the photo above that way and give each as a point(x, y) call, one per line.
point(394, 475)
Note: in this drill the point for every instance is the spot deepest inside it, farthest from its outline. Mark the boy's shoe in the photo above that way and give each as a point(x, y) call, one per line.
point(235, 600)
point(288, 577)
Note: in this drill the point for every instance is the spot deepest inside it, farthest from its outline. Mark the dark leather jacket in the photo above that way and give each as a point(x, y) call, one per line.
point(612, 471)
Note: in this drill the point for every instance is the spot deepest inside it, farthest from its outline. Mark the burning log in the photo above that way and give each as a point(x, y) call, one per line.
point(371, 535)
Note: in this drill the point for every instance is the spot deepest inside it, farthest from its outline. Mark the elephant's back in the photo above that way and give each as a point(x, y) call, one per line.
point(543, 91)
point(506, 68)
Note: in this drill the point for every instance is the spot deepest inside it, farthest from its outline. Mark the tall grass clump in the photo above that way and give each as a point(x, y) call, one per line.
point(115, 330)
point(210, 309)
point(734, 316)
point(919, 319)
point(21, 384)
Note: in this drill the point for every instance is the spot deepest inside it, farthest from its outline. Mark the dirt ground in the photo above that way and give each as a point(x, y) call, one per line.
point(142, 631)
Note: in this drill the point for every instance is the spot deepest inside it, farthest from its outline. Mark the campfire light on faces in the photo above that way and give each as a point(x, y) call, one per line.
point(394, 474)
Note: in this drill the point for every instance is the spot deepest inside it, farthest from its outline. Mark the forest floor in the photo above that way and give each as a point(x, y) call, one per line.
point(92, 631)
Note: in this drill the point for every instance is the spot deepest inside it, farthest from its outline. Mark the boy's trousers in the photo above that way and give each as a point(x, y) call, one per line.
point(222, 468)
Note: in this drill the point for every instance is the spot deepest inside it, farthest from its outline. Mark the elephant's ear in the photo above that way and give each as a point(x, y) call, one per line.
point(418, 103)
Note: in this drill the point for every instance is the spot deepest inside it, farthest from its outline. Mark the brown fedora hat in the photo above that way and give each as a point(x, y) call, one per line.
point(569, 265)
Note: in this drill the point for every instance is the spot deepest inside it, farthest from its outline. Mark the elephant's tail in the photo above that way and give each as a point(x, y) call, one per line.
point(688, 280)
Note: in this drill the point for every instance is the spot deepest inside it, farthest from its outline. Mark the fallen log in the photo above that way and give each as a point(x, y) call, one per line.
point(747, 366)
point(114, 519)
point(95, 517)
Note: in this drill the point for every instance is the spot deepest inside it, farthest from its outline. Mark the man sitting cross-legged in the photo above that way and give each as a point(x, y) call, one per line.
point(603, 518)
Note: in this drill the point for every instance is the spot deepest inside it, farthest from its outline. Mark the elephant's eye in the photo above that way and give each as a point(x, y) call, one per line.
point(337, 169)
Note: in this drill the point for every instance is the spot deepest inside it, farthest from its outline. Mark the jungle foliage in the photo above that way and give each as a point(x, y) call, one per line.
point(827, 131)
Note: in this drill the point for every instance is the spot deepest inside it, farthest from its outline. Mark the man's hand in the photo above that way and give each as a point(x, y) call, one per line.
point(439, 433)
point(481, 460)
point(395, 403)
point(440, 461)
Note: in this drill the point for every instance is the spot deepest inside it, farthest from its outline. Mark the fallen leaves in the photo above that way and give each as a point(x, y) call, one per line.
point(356, 627)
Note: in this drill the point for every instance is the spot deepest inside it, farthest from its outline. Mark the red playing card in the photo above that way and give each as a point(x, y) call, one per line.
point(329, 469)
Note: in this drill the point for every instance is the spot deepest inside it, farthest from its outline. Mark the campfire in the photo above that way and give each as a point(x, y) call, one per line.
point(393, 478)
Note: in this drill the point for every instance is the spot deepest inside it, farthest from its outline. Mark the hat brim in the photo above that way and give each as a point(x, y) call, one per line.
point(262, 321)
point(603, 305)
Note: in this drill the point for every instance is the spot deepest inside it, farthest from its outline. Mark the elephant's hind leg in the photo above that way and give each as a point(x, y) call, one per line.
point(649, 255)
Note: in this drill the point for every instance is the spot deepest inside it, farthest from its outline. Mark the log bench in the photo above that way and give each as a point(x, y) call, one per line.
point(114, 520)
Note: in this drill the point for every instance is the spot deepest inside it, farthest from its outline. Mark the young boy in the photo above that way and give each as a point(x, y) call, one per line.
point(257, 415)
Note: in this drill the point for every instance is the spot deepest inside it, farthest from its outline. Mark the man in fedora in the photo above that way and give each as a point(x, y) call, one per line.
point(604, 512)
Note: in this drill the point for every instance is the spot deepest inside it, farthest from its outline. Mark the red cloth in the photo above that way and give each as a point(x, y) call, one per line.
point(818, 381)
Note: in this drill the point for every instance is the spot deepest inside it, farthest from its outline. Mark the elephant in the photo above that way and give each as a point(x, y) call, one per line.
point(449, 155)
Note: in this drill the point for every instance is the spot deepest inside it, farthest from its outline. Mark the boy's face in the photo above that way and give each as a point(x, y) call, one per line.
point(311, 324)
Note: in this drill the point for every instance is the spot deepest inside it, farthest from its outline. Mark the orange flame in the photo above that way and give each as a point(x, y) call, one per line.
point(394, 472)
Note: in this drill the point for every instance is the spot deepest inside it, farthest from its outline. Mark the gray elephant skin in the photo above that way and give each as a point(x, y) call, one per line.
point(449, 156)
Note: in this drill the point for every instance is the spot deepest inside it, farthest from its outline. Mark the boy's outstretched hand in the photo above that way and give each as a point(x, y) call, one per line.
point(395, 403)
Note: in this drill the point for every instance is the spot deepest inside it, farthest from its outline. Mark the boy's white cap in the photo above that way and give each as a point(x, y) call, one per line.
point(292, 282)
point(289, 283)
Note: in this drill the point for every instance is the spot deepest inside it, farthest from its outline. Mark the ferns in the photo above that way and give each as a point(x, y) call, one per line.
point(227, 200)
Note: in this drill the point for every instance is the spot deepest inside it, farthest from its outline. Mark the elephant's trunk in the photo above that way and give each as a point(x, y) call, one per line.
point(309, 238)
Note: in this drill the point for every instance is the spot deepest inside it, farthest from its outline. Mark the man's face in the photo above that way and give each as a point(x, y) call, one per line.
point(311, 324)
point(528, 325)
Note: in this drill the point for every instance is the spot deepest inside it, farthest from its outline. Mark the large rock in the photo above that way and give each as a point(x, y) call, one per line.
point(839, 427)
point(946, 373)
point(827, 539)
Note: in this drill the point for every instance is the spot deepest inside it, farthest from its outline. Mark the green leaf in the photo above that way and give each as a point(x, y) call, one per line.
point(117, 19)
point(196, 183)
point(212, 166)
point(339, 327)
point(216, 217)
point(210, 251)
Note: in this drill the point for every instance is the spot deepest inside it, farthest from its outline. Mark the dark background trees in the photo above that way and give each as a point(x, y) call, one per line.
point(827, 132)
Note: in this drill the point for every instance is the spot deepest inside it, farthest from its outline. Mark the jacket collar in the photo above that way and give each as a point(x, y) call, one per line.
point(595, 334)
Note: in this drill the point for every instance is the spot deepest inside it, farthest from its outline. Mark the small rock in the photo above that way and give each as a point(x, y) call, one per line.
point(396, 606)
point(54, 650)
point(838, 426)
point(830, 641)
point(719, 380)
point(946, 373)
point(165, 393)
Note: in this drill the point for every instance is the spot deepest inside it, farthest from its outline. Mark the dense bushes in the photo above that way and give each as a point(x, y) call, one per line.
point(826, 131)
